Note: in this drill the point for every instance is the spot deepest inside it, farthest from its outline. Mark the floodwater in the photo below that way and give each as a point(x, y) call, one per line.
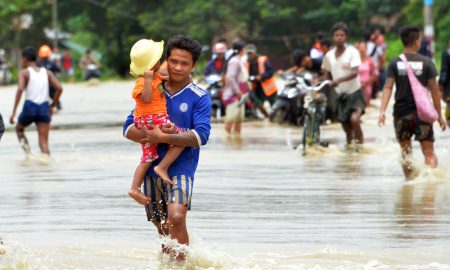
point(257, 203)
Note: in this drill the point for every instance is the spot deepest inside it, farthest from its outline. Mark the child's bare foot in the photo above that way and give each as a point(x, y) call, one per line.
point(163, 174)
point(138, 196)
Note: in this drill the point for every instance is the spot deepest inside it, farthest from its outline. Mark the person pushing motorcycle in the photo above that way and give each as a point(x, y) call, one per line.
point(263, 83)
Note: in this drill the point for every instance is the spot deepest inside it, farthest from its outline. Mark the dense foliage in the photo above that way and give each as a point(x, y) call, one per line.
point(112, 26)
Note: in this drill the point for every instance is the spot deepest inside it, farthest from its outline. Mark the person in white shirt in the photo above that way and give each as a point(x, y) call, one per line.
point(341, 65)
point(34, 81)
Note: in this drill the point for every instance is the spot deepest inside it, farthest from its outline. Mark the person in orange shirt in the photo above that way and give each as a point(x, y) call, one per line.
point(150, 111)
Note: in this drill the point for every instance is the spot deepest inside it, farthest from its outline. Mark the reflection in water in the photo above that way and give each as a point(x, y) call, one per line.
point(415, 210)
point(235, 141)
point(257, 203)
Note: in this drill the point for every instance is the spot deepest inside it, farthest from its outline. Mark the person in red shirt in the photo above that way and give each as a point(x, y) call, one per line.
point(68, 65)
point(217, 64)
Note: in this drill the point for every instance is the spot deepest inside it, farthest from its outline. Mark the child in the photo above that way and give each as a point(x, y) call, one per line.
point(150, 110)
point(406, 120)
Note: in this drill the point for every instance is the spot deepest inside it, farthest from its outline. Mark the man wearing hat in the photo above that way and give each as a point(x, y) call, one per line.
point(189, 108)
point(263, 83)
point(217, 65)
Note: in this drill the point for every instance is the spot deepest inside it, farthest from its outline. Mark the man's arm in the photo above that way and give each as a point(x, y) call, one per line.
point(54, 82)
point(195, 137)
point(155, 135)
point(436, 96)
point(20, 88)
point(386, 96)
point(325, 70)
point(325, 75)
point(268, 73)
point(209, 68)
point(353, 74)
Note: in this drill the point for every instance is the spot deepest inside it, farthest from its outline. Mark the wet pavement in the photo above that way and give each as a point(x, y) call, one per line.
point(257, 202)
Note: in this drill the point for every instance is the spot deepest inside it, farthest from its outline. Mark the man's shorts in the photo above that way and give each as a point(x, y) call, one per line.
point(346, 104)
point(150, 151)
point(161, 195)
point(409, 125)
point(34, 113)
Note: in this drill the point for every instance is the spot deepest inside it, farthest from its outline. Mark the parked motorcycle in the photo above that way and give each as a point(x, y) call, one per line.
point(289, 103)
point(5, 73)
point(214, 87)
point(91, 72)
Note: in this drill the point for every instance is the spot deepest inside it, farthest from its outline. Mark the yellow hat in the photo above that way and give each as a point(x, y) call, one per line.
point(144, 55)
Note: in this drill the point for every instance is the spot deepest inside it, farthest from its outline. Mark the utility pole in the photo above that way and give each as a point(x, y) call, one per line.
point(429, 26)
point(55, 23)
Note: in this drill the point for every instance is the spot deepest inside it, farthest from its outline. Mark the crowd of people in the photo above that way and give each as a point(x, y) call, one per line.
point(358, 72)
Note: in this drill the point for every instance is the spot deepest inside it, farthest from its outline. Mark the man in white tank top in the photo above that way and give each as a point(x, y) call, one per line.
point(34, 81)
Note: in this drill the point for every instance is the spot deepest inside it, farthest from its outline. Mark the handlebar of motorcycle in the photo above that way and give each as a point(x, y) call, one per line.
point(317, 87)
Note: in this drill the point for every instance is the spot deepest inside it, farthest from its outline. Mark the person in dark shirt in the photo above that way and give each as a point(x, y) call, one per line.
point(302, 61)
point(264, 85)
point(44, 54)
point(425, 46)
point(444, 81)
point(217, 64)
point(406, 120)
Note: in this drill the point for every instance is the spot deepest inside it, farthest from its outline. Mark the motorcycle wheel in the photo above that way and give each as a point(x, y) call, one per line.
point(218, 114)
point(306, 126)
point(278, 116)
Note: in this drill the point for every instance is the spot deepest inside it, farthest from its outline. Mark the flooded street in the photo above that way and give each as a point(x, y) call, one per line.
point(257, 203)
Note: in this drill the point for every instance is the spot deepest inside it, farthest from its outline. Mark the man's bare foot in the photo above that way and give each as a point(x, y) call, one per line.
point(138, 196)
point(163, 174)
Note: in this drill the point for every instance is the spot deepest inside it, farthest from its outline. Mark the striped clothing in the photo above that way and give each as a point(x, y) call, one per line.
point(161, 195)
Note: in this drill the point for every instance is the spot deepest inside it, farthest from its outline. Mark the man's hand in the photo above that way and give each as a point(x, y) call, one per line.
point(52, 109)
point(11, 119)
point(169, 128)
point(153, 135)
point(442, 123)
point(381, 119)
point(334, 83)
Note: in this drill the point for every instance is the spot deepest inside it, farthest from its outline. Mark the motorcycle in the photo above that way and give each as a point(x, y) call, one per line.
point(5, 73)
point(289, 104)
point(214, 87)
point(91, 72)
